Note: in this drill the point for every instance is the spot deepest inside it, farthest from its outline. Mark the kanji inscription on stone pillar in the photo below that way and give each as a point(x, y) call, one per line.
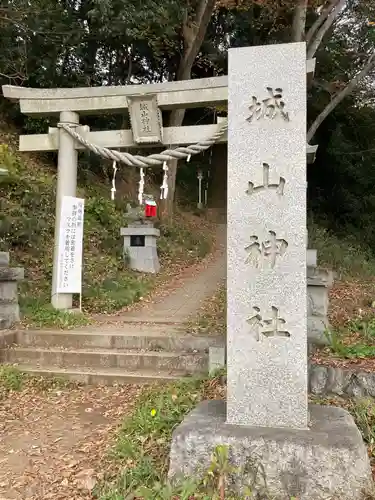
point(271, 327)
point(277, 187)
point(270, 107)
point(265, 253)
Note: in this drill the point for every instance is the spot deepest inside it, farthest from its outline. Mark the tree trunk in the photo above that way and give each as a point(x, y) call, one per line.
point(316, 40)
point(194, 32)
point(89, 61)
point(370, 64)
point(331, 4)
point(299, 21)
point(92, 45)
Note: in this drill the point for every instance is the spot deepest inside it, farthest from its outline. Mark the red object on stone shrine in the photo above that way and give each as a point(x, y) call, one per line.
point(150, 209)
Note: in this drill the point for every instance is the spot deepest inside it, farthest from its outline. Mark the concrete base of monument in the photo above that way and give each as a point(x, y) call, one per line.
point(327, 462)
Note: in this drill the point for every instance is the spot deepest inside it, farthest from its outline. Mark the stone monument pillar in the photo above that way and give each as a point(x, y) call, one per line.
point(311, 453)
point(266, 279)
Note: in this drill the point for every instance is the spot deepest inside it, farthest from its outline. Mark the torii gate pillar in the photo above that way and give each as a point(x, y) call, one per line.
point(66, 186)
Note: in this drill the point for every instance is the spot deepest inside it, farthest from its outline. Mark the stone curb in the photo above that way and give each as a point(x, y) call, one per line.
point(329, 380)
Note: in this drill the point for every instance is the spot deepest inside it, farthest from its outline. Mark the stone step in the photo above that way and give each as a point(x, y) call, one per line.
point(104, 376)
point(107, 358)
point(150, 339)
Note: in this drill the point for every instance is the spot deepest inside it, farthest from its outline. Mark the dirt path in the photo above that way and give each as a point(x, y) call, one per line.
point(52, 445)
point(181, 297)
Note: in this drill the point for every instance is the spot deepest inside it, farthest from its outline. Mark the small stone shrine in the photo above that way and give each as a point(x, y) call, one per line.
point(9, 277)
point(309, 452)
point(140, 236)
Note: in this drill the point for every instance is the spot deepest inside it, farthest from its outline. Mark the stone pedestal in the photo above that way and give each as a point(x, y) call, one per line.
point(140, 250)
point(9, 277)
point(328, 461)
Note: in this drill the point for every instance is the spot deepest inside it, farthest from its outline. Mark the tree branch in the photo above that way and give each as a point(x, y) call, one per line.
point(331, 4)
point(317, 39)
point(299, 21)
point(17, 78)
point(194, 32)
point(370, 64)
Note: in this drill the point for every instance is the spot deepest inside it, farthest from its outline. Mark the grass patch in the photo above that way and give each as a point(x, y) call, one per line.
point(343, 255)
point(14, 380)
point(11, 379)
point(40, 314)
point(27, 207)
point(354, 340)
point(143, 442)
point(177, 240)
point(46, 384)
point(212, 317)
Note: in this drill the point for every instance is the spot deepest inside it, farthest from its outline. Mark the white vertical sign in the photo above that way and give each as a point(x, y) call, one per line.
point(70, 245)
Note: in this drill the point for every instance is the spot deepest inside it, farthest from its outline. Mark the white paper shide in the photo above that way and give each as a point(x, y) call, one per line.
point(70, 245)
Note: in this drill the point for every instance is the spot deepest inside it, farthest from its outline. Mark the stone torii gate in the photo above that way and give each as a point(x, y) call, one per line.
point(144, 104)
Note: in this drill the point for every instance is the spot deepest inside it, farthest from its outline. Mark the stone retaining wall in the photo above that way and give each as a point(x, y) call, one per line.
point(334, 381)
point(323, 380)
